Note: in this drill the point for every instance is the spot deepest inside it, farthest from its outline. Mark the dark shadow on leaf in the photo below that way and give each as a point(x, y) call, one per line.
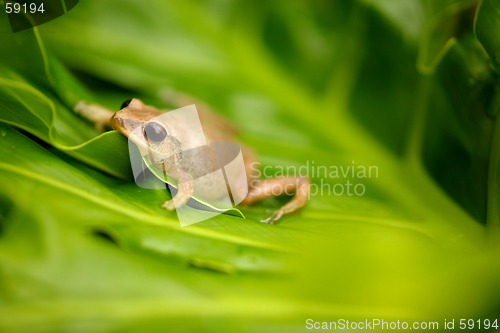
point(210, 265)
point(6, 206)
point(104, 235)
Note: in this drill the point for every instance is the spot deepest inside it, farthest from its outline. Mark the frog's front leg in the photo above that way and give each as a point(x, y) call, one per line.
point(97, 114)
point(279, 186)
point(184, 191)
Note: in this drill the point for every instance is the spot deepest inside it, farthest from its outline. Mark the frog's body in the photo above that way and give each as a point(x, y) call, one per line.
point(168, 144)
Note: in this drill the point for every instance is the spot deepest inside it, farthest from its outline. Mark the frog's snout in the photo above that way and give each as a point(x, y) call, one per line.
point(113, 121)
point(117, 123)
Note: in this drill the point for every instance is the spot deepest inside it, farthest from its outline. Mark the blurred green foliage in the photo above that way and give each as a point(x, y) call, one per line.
point(408, 86)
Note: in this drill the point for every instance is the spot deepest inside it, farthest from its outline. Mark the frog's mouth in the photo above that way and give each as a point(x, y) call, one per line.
point(124, 125)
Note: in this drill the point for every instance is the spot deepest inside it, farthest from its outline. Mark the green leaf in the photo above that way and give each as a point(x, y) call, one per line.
point(26, 107)
point(332, 84)
point(441, 33)
point(487, 28)
point(38, 94)
point(23, 159)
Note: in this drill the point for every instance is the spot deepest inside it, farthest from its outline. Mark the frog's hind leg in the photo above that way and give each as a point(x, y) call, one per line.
point(279, 186)
point(96, 114)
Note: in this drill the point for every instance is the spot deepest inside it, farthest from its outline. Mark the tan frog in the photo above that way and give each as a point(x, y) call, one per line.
point(170, 138)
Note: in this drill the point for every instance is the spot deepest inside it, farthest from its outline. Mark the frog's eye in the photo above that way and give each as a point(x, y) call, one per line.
point(126, 103)
point(155, 132)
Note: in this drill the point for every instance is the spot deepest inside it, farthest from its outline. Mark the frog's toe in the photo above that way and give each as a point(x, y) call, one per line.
point(169, 205)
point(273, 218)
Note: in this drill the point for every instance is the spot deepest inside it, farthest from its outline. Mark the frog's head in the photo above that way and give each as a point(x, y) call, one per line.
point(143, 126)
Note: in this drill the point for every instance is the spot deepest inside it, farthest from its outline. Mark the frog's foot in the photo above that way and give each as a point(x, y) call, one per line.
point(184, 192)
point(98, 115)
point(169, 205)
point(277, 186)
point(273, 218)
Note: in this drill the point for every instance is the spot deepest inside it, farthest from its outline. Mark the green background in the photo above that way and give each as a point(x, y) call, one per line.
point(409, 86)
